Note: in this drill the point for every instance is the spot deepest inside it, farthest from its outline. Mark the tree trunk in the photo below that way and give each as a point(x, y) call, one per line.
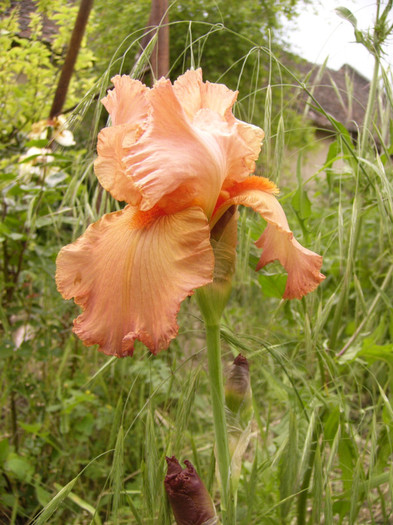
point(72, 53)
point(159, 60)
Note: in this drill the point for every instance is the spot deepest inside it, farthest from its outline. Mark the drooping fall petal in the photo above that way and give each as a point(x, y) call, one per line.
point(277, 241)
point(130, 271)
point(302, 265)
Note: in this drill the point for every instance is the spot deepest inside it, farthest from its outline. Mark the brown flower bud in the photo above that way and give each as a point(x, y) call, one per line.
point(189, 499)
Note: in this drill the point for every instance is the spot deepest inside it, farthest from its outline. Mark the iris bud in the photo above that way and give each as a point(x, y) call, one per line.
point(190, 501)
point(212, 298)
point(238, 397)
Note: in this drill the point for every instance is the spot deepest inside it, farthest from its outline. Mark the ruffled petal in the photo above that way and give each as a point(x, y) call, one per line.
point(126, 103)
point(252, 137)
point(180, 157)
point(128, 107)
point(220, 99)
point(187, 89)
point(109, 166)
point(130, 271)
point(277, 241)
point(175, 158)
point(301, 264)
point(193, 95)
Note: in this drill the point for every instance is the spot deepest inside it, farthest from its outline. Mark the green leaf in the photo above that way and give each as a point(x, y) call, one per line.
point(347, 454)
point(39, 143)
point(55, 179)
point(83, 505)
point(16, 236)
point(43, 496)
point(289, 467)
point(373, 352)
point(301, 203)
point(55, 503)
point(85, 425)
point(20, 467)
point(341, 129)
point(117, 473)
point(31, 428)
point(346, 14)
point(273, 285)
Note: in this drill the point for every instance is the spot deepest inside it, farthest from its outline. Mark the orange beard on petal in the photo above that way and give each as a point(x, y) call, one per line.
point(250, 183)
point(142, 219)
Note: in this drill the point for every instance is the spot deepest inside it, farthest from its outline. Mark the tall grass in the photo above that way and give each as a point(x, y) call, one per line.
point(84, 436)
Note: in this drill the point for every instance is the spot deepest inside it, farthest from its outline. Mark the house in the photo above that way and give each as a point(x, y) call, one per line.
point(343, 94)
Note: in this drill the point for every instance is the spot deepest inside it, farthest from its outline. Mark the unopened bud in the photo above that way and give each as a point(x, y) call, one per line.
point(212, 298)
point(189, 499)
point(238, 389)
point(238, 399)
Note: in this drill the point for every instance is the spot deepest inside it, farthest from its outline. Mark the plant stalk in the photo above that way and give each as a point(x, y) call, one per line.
point(220, 427)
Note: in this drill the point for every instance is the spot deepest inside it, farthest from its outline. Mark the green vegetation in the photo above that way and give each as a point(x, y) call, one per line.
point(83, 437)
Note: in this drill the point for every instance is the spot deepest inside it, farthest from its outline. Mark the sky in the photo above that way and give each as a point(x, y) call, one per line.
point(319, 32)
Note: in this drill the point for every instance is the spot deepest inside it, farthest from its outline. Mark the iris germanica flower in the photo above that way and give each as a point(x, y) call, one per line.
point(180, 159)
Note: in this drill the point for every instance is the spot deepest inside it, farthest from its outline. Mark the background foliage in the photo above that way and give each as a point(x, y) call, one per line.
point(84, 436)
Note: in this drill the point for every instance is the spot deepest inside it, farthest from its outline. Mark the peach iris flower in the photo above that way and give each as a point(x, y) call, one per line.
point(179, 159)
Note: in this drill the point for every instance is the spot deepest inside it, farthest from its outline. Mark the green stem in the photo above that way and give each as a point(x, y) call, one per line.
point(220, 427)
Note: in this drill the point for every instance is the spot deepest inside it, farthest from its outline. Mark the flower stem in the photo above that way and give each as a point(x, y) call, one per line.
point(220, 427)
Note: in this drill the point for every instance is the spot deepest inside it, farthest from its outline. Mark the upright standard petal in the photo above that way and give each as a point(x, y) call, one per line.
point(194, 94)
point(277, 241)
point(202, 152)
point(128, 107)
point(109, 166)
point(174, 156)
point(187, 89)
point(126, 103)
point(130, 271)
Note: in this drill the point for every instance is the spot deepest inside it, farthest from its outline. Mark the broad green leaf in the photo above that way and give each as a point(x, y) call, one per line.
point(273, 285)
point(20, 467)
point(43, 496)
